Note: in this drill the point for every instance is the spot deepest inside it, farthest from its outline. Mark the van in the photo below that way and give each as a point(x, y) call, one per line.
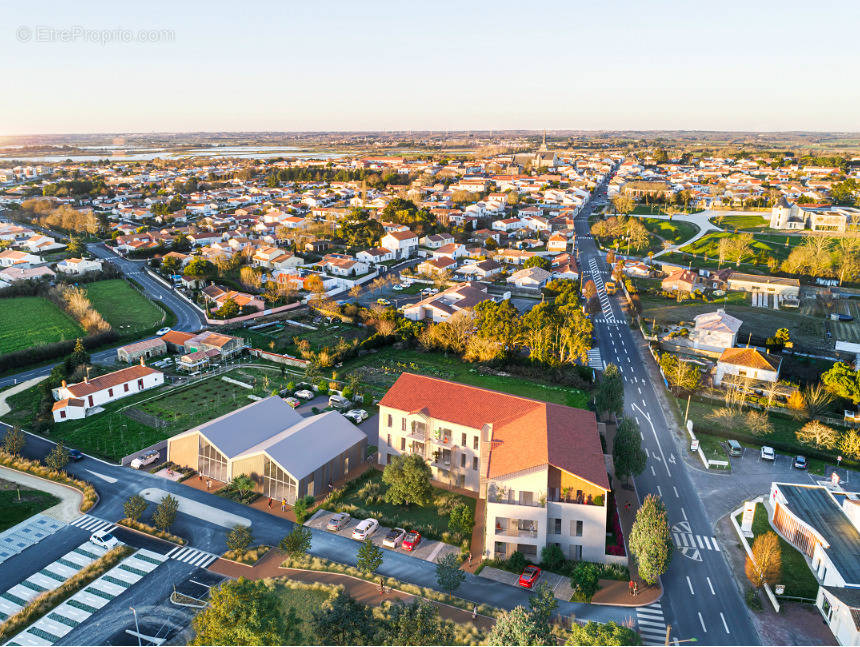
point(735, 448)
point(338, 402)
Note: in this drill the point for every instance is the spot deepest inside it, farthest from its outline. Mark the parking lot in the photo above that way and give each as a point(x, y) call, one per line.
point(429, 549)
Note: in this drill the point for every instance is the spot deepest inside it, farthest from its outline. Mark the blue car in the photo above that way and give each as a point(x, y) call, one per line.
point(75, 455)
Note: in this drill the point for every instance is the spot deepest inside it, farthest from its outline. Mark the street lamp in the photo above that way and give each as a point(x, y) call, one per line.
point(137, 627)
point(686, 640)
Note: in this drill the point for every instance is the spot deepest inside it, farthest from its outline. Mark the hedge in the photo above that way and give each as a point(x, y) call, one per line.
point(149, 530)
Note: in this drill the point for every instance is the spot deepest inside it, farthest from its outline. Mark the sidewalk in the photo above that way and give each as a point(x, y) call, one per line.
point(67, 510)
point(366, 592)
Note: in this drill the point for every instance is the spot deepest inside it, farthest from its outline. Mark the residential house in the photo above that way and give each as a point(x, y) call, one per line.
point(443, 306)
point(682, 280)
point(539, 466)
point(39, 243)
point(557, 244)
point(451, 250)
point(435, 241)
point(747, 363)
point(143, 349)
point(715, 331)
point(15, 273)
point(79, 266)
point(342, 265)
point(14, 257)
point(437, 266)
point(530, 277)
point(481, 270)
point(226, 345)
point(780, 286)
point(638, 269)
point(375, 255)
point(402, 243)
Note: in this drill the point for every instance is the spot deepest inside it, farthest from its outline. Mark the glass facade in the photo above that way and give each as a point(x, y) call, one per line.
point(277, 483)
point(211, 462)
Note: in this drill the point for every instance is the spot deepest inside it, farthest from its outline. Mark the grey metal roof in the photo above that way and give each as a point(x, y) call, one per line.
point(237, 431)
point(815, 506)
point(307, 445)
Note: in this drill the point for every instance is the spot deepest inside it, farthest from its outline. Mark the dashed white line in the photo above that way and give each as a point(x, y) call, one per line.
point(676, 492)
point(684, 514)
point(639, 388)
point(653, 473)
point(704, 628)
point(660, 491)
point(690, 584)
point(711, 586)
point(723, 618)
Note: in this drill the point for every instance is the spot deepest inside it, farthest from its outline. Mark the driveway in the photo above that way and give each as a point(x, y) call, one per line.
point(429, 549)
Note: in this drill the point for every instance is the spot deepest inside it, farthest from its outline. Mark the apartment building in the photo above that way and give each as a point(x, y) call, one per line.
point(539, 466)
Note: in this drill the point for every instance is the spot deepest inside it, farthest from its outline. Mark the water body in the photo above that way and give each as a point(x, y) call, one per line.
point(122, 154)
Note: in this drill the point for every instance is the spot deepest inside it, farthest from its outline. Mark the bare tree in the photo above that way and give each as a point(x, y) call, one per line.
point(817, 434)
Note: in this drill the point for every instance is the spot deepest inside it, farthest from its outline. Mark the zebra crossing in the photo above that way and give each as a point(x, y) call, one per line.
point(610, 321)
point(92, 524)
point(652, 625)
point(689, 540)
point(596, 276)
point(193, 556)
point(594, 359)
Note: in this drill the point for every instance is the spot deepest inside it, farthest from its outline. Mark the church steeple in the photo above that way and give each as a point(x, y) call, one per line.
point(543, 145)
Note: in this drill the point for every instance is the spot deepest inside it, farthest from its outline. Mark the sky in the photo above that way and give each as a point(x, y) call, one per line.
point(752, 65)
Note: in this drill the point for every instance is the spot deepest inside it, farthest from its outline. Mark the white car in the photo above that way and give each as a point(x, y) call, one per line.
point(305, 394)
point(397, 288)
point(365, 529)
point(163, 331)
point(147, 459)
point(104, 539)
point(767, 453)
point(356, 415)
point(394, 537)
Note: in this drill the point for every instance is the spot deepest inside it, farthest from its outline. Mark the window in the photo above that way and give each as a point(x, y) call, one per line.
point(525, 498)
point(576, 552)
point(826, 609)
point(462, 460)
point(62, 414)
point(110, 393)
point(140, 383)
point(575, 528)
point(311, 487)
point(389, 421)
point(403, 424)
point(90, 400)
point(125, 387)
point(463, 444)
point(555, 526)
point(403, 444)
point(475, 463)
point(211, 462)
point(475, 443)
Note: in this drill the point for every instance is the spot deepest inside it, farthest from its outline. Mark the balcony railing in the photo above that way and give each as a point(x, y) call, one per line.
point(578, 500)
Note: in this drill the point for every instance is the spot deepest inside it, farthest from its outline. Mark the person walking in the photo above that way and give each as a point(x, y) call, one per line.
point(270, 503)
point(283, 504)
point(208, 484)
point(475, 613)
point(631, 587)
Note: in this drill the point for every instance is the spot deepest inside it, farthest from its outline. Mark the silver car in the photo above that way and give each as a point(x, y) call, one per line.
point(338, 521)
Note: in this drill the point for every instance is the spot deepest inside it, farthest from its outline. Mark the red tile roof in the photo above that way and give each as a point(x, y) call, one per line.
point(526, 433)
point(110, 379)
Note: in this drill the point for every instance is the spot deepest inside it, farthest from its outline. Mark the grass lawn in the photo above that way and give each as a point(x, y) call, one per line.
point(672, 230)
point(123, 307)
point(378, 371)
point(14, 511)
point(798, 579)
point(742, 222)
point(364, 497)
point(765, 245)
point(33, 321)
point(279, 338)
point(304, 599)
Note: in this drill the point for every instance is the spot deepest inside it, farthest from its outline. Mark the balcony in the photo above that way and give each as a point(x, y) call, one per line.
point(576, 498)
point(441, 437)
point(506, 527)
point(500, 494)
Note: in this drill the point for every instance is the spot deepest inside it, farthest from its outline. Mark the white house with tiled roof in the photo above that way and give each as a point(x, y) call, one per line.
point(402, 243)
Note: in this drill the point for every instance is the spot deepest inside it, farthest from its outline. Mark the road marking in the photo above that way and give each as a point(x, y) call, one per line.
point(109, 479)
point(660, 491)
point(723, 618)
point(690, 584)
point(704, 628)
point(653, 473)
point(654, 431)
point(676, 492)
point(683, 513)
point(699, 539)
point(711, 586)
point(639, 388)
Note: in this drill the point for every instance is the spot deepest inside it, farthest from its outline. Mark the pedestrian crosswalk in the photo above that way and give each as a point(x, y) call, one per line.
point(192, 556)
point(652, 625)
point(594, 359)
point(689, 540)
point(92, 524)
point(609, 320)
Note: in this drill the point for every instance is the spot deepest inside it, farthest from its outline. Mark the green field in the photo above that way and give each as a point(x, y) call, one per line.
point(304, 599)
point(674, 231)
point(742, 222)
point(127, 311)
point(33, 321)
point(279, 338)
point(14, 508)
point(378, 371)
point(764, 245)
point(798, 579)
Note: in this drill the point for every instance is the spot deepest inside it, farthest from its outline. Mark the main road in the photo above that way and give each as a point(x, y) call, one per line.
point(700, 599)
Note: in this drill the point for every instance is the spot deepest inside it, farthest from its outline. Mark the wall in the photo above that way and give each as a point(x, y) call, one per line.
point(183, 450)
point(279, 359)
point(250, 465)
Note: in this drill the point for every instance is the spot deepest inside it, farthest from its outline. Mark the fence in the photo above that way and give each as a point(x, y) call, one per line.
point(709, 463)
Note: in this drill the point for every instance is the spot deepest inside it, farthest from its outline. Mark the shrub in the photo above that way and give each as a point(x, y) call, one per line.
point(583, 580)
point(34, 467)
point(552, 557)
point(517, 561)
point(301, 508)
point(149, 530)
point(238, 540)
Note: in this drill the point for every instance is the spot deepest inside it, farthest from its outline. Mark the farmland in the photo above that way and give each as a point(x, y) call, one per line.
point(127, 311)
point(33, 321)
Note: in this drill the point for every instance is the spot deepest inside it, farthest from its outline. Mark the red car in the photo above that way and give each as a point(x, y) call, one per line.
point(529, 576)
point(411, 540)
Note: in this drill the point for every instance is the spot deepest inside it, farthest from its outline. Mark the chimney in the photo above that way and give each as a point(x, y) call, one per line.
point(141, 361)
point(63, 384)
point(87, 378)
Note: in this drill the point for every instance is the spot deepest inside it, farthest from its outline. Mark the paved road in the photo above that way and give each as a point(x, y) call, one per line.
point(701, 599)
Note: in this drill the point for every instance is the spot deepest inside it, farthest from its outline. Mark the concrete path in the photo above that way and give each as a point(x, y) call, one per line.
point(197, 509)
point(69, 507)
point(23, 386)
point(702, 220)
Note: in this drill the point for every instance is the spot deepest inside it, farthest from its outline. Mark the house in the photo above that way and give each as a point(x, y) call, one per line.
point(103, 389)
point(530, 277)
point(342, 265)
point(557, 244)
point(451, 250)
point(787, 216)
point(402, 243)
point(275, 446)
point(715, 331)
point(437, 266)
point(216, 295)
point(682, 280)
point(15, 274)
point(747, 363)
point(637, 269)
point(14, 257)
point(778, 285)
point(443, 306)
point(482, 270)
point(375, 255)
point(142, 349)
point(79, 266)
point(175, 340)
point(841, 610)
point(40, 243)
point(539, 466)
point(194, 362)
point(435, 241)
point(226, 345)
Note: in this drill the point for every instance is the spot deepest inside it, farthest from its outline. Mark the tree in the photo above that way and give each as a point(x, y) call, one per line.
point(538, 261)
point(228, 310)
point(498, 322)
point(239, 538)
point(680, 374)
point(650, 540)
point(542, 603)
point(408, 480)
point(515, 627)
point(841, 381)
point(623, 203)
point(134, 507)
point(79, 355)
point(58, 457)
point(609, 396)
point(552, 557)
point(170, 264)
point(627, 454)
point(298, 542)
point(76, 246)
point(242, 484)
point(449, 576)
point(816, 399)
point(416, 623)
point(765, 565)
point(598, 633)
point(849, 444)
point(461, 520)
point(199, 267)
point(817, 434)
point(245, 612)
point(584, 580)
point(165, 513)
point(14, 441)
point(344, 621)
point(369, 557)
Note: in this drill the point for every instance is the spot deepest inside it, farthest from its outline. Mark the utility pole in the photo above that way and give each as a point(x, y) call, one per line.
point(668, 631)
point(687, 412)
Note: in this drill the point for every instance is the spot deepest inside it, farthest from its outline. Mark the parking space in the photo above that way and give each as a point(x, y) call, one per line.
point(559, 584)
point(429, 549)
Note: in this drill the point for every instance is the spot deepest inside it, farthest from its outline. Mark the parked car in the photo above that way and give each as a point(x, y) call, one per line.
point(411, 540)
point(383, 302)
point(147, 459)
point(800, 462)
point(365, 529)
point(767, 453)
point(397, 288)
point(529, 576)
point(104, 539)
point(338, 521)
point(356, 415)
point(163, 331)
point(338, 402)
point(735, 448)
point(305, 394)
point(75, 455)
point(293, 402)
point(394, 537)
